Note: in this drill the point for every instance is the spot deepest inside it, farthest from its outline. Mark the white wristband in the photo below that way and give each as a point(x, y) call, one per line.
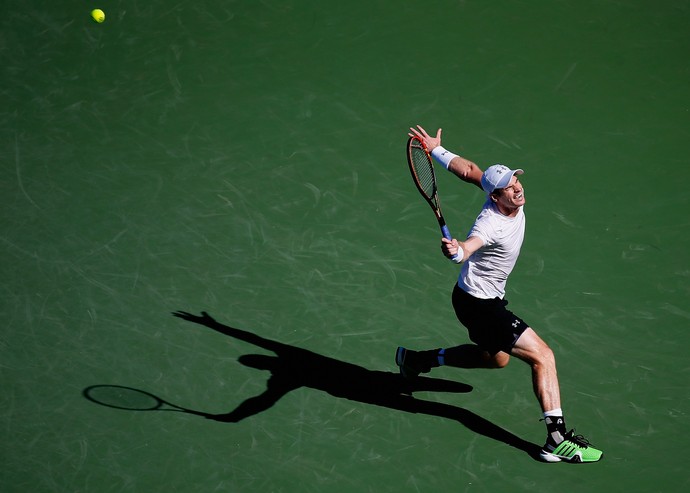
point(443, 156)
point(460, 257)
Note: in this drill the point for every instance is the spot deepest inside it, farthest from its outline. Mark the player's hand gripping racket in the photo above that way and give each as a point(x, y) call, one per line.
point(422, 169)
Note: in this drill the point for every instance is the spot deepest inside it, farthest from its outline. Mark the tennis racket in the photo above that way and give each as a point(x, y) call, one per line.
point(422, 169)
point(119, 397)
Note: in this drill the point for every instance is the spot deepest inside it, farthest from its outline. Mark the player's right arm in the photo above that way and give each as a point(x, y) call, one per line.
point(466, 170)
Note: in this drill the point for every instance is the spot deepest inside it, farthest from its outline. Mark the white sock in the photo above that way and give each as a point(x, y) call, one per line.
point(554, 412)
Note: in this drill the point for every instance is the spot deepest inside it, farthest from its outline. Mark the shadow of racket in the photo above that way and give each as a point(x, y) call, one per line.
point(130, 399)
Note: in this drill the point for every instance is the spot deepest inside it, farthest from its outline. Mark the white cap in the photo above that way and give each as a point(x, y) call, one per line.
point(498, 176)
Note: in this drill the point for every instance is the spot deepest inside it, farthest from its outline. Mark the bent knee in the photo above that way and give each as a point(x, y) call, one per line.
point(500, 360)
point(545, 357)
point(532, 349)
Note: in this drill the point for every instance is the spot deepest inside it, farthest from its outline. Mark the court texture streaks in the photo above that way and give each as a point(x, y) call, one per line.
point(247, 159)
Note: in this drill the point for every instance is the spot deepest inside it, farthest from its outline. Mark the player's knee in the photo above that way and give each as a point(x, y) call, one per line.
point(501, 360)
point(546, 357)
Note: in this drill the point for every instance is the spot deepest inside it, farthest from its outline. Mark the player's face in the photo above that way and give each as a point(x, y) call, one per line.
point(511, 197)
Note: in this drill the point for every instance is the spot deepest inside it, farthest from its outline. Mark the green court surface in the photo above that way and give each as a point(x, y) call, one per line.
point(246, 159)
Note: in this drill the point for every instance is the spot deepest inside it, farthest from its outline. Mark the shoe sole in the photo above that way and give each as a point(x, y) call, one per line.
point(400, 361)
point(400, 356)
point(575, 459)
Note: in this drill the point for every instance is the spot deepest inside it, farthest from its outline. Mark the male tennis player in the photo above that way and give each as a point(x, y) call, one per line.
point(489, 254)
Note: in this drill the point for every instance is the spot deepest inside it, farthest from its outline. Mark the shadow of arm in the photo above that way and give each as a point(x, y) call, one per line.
point(242, 335)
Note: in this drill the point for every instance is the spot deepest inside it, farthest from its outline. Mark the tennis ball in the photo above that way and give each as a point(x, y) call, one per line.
point(98, 15)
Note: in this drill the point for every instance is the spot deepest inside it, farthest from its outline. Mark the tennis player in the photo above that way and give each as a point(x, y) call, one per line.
point(489, 254)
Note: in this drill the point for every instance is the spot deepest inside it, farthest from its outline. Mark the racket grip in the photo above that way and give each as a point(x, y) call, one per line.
point(446, 234)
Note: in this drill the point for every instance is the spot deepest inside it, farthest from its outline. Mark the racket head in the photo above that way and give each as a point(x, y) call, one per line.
point(119, 397)
point(422, 169)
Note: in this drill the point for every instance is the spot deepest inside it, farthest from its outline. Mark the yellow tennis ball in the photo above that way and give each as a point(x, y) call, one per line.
point(98, 15)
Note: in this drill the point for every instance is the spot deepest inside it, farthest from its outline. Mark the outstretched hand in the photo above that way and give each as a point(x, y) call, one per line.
point(429, 141)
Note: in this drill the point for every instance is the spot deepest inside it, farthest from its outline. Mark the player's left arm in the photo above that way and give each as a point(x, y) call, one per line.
point(463, 168)
point(462, 248)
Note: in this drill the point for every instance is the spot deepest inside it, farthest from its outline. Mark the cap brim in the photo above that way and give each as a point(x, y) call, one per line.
point(505, 181)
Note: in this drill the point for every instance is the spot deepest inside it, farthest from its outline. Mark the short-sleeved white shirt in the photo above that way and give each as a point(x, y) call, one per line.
point(485, 274)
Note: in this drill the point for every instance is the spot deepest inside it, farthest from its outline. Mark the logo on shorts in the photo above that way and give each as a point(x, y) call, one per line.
point(516, 323)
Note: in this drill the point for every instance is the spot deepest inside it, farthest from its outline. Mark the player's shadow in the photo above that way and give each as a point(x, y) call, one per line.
point(293, 367)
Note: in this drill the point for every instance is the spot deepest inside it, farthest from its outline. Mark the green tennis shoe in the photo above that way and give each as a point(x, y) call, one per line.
point(574, 448)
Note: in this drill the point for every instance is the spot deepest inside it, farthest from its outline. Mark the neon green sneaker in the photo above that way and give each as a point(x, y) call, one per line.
point(574, 448)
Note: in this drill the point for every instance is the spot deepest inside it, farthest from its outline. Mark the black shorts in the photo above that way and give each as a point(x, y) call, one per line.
point(490, 325)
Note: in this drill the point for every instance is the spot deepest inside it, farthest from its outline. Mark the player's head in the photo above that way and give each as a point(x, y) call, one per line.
point(497, 177)
point(503, 187)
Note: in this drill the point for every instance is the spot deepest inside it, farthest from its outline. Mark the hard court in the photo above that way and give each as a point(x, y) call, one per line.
point(246, 159)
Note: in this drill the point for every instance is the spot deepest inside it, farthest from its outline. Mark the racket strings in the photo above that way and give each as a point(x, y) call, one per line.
point(424, 171)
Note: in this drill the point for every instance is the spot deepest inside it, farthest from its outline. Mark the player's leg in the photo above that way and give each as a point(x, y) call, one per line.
point(560, 445)
point(412, 363)
point(472, 356)
point(535, 352)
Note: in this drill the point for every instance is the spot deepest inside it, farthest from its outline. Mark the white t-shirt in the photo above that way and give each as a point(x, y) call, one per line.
point(485, 273)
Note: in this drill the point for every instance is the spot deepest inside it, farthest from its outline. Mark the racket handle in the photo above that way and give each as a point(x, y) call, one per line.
point(446, 234)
